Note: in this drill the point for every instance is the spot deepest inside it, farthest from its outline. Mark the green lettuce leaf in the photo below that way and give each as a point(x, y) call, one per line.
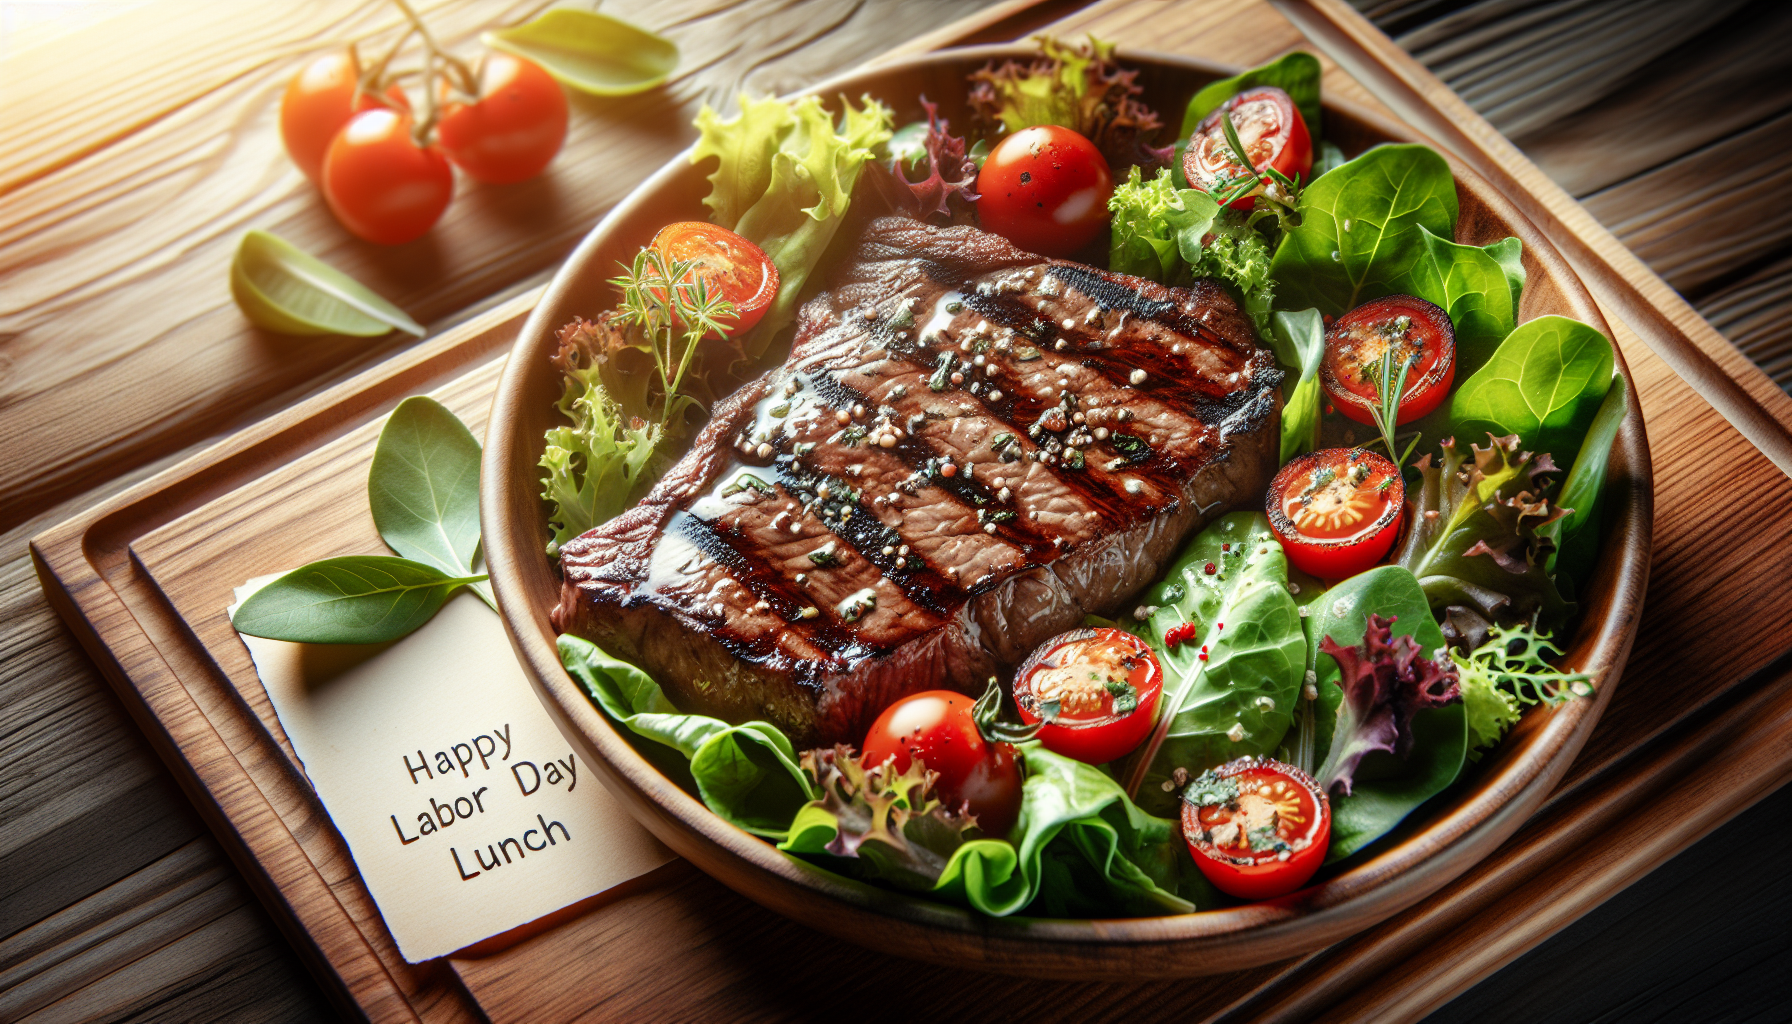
point(1298, 340)
point(1078, 87)
point(1174, 235)
point(747, 774)
point(602, 463)
point(889, 821)
point(1362, 229)
point(1229, 691)
point(1296, 74)
point(1080, 849)
point(784, 178)
point(1385, 788)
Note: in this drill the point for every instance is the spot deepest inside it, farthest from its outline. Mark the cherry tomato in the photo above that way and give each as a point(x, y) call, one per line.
point(732, 266)
point(1106, 683)
point(1273, 133)
point(1258, 828)
point(1336, 511)
point(975, 774)
point(1419, 332)
point(318, 102)
point(514, 130)
point(1045, 189)
point(380, 184)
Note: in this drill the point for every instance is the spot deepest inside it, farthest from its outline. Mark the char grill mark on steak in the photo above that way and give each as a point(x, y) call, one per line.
point(707, 584)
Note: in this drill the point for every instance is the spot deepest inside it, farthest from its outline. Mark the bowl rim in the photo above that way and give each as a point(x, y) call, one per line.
point(1448, 841)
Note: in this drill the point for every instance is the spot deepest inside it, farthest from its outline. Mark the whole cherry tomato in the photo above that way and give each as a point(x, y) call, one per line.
point(1045, 189)
point(729, 264)
point(1106, 684)
point(1420, 335)
point(380, 184)
point(318, 102)
point(976, 775)
point(1273, 133)
point(514, 129)
point(1336, 511)
point(1257, 828)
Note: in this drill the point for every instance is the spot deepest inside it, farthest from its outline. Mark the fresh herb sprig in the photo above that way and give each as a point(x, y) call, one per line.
point(1390, 387)
point(674, 310)
point(1281, 196)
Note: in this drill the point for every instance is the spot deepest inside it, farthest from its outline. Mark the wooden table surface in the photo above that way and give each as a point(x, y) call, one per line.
point(137, 151)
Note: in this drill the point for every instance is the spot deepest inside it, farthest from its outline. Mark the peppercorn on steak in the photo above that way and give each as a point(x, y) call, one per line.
point(969, 449)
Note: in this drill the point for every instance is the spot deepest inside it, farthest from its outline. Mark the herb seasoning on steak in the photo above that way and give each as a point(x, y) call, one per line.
point(970, 448)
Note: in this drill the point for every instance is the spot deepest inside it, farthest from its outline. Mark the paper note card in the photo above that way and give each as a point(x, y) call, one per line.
point(467, 813)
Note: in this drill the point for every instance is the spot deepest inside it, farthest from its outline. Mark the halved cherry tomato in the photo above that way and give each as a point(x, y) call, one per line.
point(1419, 333)
point(380, 184)
point(1336, 511)
point(937, 727)
point(1106, 684)
point(514, 130)
point(318, 102)
point(1258, 828)
point(1273, 133)
point(732, 266)
point(1045, 189)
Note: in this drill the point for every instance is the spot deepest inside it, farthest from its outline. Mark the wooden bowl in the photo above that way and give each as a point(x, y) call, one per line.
point(1435, 845)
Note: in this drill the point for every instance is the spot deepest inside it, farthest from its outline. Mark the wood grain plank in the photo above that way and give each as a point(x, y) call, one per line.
point(1699, 218)
point(1731, 77)
point(1756, 314)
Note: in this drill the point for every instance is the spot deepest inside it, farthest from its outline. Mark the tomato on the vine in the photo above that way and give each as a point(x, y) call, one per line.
point(1104, 683)
point(1257, 828)
point(513, 130)
point(937, 727)
point(318, 102)
point(1273, 133)
point(729, 264)
point(380, 184)
point(1336, 511)
point(1045, 189)
point(1422, 338)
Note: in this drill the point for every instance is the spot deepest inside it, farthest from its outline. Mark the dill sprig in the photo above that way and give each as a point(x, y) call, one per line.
point(672, 306)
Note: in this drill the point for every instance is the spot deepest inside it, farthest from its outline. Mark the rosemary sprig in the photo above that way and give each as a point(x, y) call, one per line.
point(1285, 206)
point(1386, 410)
point(675, 311)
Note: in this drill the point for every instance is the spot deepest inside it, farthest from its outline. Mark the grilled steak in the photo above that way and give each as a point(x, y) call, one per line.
point(969, 448)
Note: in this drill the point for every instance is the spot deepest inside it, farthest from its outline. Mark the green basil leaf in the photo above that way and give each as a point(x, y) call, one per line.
point(1361, 230)
point(1544, 383)
point(1298, 340)
point(1577, 534)
point(360, 599)
point(1477, 286)
point(591, 52)
point(747, 774)
point(1386, 788)
point(1256, 656)
point(424, 488)
point(1296, 73)
point(281, 288)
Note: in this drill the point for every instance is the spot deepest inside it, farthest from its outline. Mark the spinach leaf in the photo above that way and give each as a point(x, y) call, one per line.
point(360, 599)
point(1298, 340)
point(1361, 231)
point(1544, 383)
point(1576, 535)
point(1296, 74)
point(747, 774)
point(1101, 853)
point(423, 488)
point(1239, 699)
point(590, 52)
point(1477, 286)
point(1386, 788)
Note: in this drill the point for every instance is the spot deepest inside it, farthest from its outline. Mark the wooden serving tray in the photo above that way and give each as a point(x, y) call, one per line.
point(1698, 730)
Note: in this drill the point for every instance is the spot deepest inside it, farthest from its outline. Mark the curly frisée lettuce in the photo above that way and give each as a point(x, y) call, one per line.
point(599, 466)
point(784, 178)
point(1174, 235)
